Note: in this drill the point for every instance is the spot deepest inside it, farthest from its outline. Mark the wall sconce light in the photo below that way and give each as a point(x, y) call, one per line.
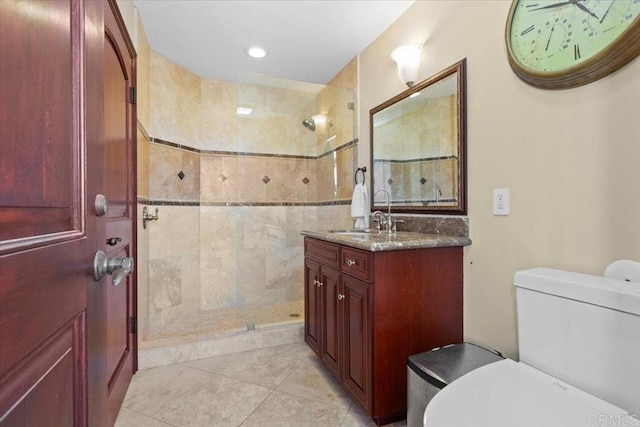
point(408, 59)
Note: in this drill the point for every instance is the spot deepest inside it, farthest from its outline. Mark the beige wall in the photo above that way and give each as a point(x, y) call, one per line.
point(569, 158)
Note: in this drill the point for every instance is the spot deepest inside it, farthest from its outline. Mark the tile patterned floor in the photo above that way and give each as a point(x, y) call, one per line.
point(277, 386)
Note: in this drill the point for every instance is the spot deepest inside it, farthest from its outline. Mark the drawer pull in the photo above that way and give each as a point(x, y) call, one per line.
point(351, 262)
point(340, 297)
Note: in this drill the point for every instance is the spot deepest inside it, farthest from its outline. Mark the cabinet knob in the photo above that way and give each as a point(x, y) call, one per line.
point(340, 297)
point(320, 283)
point(351, 262)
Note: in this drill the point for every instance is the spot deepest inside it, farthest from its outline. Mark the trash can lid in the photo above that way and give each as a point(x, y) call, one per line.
point(443, 365)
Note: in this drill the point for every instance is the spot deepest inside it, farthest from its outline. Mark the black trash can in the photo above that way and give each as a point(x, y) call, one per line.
point(431, 371)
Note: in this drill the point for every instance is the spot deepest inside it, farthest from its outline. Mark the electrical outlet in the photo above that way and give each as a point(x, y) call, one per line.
point(501, 201)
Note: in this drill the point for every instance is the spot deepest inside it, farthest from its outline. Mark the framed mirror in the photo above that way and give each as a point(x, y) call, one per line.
point(418, 147)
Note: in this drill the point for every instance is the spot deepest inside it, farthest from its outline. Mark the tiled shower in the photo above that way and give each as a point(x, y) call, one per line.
point(233, 193)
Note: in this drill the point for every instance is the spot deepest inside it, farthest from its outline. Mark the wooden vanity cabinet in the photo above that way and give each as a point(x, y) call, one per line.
point(366, 312)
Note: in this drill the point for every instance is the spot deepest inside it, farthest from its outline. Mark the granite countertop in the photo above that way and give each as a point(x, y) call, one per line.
point(375, 241)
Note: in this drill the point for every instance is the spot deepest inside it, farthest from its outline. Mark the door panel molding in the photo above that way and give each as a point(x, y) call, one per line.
point(41, 150)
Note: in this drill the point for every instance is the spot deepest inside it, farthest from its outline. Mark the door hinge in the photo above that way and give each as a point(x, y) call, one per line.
point(132, 95)
point(134, 325)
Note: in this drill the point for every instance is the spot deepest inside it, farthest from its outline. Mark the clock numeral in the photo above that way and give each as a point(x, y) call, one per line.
point(576, 51)
point(528, 30)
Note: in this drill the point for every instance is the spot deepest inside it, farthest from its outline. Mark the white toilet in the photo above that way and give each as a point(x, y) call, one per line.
point(579, 341)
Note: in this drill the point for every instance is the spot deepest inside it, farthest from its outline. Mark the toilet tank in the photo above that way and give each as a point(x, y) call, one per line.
point(582, 329)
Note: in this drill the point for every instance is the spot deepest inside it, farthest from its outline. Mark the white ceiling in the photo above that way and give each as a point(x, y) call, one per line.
point(308, 41)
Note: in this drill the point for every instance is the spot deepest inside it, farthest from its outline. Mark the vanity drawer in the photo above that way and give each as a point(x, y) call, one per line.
point(356, 263)
point(325, 252)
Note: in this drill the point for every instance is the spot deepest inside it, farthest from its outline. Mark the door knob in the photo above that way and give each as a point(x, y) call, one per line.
point(119, 268)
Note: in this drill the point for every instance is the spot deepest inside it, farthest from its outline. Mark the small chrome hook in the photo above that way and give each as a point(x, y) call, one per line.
point(146, 217)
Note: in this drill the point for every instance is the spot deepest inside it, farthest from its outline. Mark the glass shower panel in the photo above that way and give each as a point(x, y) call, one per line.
point(278, 159)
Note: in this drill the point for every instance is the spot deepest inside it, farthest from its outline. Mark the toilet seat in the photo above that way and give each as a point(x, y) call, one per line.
point(512, 394)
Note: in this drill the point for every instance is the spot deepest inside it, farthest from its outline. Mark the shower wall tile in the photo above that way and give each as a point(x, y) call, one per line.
point(142, 272)
point(165, 276)
point(326, 181)
point(251, 175)
point(174, 294)
point(142, 169)
point(213, 269)
point(312, 184)
point(299, 218)
point(333, 103)
point(218, 116)
point(334, 217)
point(219, 276)
point(347, 77)
point(345, 173)
point(174, 269)
point(174, 98)
point(219, 257)
point(448, 178)
point(336, 175)
point(286, 183)
point(176, 232)
point(142, 74)
point(219, 178)
point(164, 181)
point(275, 126)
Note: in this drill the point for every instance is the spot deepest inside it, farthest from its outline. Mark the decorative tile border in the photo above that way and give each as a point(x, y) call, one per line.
point(248, 154)
point(424, 159)
point(149, 202)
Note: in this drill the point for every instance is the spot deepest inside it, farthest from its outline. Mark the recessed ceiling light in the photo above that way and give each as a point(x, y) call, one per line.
point(244, 111)
point(256, 52)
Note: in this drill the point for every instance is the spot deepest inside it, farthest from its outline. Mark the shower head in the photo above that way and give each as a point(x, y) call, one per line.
point(309, 124)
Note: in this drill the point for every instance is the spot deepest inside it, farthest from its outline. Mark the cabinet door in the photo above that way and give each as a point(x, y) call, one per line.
point(331, 320)
point(312, 304)
point(357, 342)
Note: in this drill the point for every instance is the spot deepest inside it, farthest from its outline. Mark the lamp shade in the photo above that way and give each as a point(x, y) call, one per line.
point(408, 59)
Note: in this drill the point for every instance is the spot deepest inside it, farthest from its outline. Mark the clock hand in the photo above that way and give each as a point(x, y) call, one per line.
point(549, 6)
point(607, 12)
point(582, 7)
point(549, 41)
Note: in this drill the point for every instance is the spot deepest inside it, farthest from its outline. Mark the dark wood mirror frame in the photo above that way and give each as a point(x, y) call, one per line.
point(456, 205)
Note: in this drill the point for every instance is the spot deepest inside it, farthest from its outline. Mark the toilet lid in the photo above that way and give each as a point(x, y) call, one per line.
point(512, 394)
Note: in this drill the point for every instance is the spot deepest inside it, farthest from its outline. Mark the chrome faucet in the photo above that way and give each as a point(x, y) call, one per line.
point(386, 219)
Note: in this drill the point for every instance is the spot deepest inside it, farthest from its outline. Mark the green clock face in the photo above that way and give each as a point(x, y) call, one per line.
point(550, 36)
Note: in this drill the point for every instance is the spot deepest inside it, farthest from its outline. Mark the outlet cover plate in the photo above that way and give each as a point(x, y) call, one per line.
point(501, 201)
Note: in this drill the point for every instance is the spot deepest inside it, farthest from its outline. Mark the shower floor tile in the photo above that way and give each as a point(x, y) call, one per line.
point(277, 386)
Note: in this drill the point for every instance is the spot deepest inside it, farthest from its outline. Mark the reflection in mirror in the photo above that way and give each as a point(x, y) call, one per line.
point(418, 144)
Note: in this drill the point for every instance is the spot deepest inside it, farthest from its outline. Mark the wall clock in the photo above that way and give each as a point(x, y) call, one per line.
point(557, 44)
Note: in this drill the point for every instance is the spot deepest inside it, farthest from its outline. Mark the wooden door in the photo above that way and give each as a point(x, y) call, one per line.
point(48, 231)
point(357, 331)
point(119, 188)
point(331, 318)
point(312, 304)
